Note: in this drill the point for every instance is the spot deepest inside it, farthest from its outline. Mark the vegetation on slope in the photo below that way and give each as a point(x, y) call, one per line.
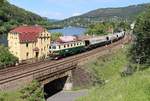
point(12, 16)
point(107, 67)
point(140, 51)
point(107, 71)
point(106, 28)
point(31, 92)
point(119, 14)
point(99, 29)
point(131, 88)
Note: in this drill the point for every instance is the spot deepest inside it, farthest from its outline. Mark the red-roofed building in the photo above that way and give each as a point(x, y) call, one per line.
point(27, 42)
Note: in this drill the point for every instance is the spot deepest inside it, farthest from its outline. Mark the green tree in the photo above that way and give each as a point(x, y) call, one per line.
point(99, 29)
point(32, 92)
point(55, 36)
point(140, 51)
point(6, 58)
point(124, 25)
point(2, 1)
point(11, 16)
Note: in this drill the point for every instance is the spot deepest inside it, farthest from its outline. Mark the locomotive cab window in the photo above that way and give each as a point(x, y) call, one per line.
point(107, 38)
point(59, 46)
point(53, 47)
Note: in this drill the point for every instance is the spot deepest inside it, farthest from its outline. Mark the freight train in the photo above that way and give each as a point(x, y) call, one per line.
point(70, 45)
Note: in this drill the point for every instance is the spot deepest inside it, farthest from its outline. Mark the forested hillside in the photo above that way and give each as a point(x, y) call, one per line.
point(12, 16)
point(107, 14)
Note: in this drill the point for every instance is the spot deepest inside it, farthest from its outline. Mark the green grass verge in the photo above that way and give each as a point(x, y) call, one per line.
point(109, 66)
point(10, 96)
point(130, 88)
point(31, 92)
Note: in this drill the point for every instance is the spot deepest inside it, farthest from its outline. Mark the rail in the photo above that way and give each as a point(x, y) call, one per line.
point(51, 67)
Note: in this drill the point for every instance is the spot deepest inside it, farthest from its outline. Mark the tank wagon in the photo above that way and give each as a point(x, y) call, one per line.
point(70, 45)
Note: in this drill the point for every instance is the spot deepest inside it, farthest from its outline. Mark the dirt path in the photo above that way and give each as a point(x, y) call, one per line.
point(68, 95)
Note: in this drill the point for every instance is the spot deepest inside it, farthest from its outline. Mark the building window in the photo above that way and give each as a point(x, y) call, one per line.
point(68, 45)
point(27, 54)
point(59, 46)
point(27, 44)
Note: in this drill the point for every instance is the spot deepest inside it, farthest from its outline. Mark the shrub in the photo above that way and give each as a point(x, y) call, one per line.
point(6, 58)
point(32, 92)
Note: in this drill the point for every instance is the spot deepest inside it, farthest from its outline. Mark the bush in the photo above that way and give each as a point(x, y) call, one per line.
point(32, 92)
point(6, 58)
point(140, 51)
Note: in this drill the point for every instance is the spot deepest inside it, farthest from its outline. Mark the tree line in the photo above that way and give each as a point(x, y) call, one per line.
point(140, 51)
point(12, 16)
point(105, 28)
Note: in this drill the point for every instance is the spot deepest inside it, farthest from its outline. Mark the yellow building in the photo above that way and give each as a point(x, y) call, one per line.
point(27, 42)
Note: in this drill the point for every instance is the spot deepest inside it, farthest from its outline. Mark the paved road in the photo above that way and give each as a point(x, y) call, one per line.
point(67, 95)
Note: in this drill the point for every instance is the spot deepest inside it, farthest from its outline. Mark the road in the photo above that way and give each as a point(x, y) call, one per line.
point(68, 95)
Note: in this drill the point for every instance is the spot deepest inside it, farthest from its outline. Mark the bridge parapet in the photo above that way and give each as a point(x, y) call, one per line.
point(44, 75)
point(51, 74)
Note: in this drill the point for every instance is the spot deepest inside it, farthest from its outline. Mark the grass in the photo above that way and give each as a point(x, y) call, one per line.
point(10, 96)
point(31, 92)
point(130, 88)
point(109, 66)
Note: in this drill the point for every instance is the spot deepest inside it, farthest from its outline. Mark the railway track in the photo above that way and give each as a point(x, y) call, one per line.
point(17, 72)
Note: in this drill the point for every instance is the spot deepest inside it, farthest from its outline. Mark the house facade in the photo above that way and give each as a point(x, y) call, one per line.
point(27, 42)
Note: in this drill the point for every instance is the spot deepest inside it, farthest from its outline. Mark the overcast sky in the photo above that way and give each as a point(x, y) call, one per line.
point(61, 9)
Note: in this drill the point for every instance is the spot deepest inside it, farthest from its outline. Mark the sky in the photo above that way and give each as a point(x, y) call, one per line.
point(61, 9)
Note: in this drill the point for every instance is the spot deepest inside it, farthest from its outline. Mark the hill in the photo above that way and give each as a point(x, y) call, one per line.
point(107, 14)
point(12, 16)
point(133, 88)
point(111, 86)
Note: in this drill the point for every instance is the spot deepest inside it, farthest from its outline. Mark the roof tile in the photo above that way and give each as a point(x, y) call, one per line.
point(28, 33)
